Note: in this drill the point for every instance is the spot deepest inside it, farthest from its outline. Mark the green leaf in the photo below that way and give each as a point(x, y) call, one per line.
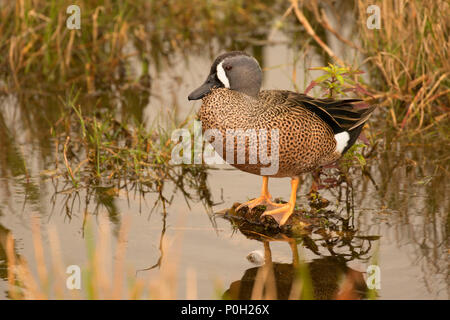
point(319, 68)
point(322, 78)
point(349, 81)
point(361, 159)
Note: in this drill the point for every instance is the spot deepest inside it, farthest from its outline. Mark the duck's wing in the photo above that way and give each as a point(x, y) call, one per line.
point(340, 115)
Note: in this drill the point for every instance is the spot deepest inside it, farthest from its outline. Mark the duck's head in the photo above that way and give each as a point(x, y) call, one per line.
point(234, 70)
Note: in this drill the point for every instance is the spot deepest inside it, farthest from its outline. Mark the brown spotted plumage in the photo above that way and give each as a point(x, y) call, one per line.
point(311, 132)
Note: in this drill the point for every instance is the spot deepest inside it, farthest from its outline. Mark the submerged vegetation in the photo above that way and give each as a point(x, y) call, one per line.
point(99, 150)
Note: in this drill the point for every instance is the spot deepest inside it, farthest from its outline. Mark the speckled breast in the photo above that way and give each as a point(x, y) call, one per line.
point(263, 136)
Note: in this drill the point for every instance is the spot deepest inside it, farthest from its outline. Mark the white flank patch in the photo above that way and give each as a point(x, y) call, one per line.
point(222, 75)
point(341, 141)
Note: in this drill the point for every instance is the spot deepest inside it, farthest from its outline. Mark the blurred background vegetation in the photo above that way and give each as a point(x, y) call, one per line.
point(407, 59)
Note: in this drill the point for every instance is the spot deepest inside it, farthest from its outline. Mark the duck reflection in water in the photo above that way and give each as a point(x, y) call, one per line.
point(323, 279)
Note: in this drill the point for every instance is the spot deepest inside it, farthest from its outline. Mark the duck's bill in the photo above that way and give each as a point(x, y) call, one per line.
point(200, 92)
point(205, 88)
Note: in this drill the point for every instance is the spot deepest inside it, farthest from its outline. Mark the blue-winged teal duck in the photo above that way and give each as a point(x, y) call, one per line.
point(311, 132)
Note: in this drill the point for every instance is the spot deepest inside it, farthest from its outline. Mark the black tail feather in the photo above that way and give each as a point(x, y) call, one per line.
point(354, 134)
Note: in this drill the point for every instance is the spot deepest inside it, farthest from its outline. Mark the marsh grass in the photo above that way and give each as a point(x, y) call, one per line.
point(105, 274)
point(111, 56)
point(36, 45)
point(96, 149)
point(409, 62)
point(407, 58)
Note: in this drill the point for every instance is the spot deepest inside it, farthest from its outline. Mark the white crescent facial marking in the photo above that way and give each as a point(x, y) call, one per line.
point(222, 75)
point(341, 140)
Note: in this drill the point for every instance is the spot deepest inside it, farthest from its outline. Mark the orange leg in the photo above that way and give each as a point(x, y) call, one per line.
point(284, 212)
point(263, 199)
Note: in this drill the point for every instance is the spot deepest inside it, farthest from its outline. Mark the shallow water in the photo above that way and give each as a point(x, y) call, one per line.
point(402, 208)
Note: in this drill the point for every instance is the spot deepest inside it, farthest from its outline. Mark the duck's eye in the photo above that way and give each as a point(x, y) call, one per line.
point(228, 67)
